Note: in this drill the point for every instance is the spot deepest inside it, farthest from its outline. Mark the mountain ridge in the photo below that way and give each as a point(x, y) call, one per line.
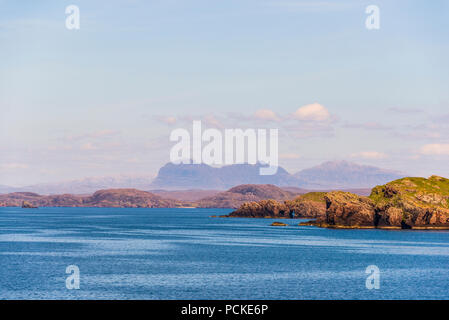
point(326, 176)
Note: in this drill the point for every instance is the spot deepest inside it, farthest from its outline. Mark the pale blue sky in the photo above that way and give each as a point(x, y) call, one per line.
point(92, 102)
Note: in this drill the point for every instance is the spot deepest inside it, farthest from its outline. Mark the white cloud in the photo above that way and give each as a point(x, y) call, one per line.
point(369, 155)
point(435, 149)
point(312, 112)
point(266, 114)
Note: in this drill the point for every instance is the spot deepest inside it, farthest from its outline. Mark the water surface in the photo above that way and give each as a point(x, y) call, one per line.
point(185, 254)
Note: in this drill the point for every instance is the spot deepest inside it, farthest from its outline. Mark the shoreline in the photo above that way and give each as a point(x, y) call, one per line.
point(339, 226)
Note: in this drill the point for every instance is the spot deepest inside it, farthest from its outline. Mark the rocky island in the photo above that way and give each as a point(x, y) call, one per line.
point(408, 203)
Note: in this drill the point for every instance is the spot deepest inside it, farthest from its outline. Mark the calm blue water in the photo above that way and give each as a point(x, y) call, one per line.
point(184, 254)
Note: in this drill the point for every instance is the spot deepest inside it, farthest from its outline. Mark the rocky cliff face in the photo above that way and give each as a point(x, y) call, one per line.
point(413, 203)
point(408, 203)
point(261, 209)
point(344, 208)
point(310, 205)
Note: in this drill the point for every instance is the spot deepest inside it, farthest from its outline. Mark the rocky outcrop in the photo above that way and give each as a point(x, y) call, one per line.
point(408, 203)
point(310, 205)
point(261, 209)
point(344, 208)
point(416, 203)
point(279, 224)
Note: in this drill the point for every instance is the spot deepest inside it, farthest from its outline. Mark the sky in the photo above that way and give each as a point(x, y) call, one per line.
point(102, 100)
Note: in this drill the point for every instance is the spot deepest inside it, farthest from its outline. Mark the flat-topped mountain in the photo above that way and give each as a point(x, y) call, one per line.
point(329, 175)
point(202, 176)
point(171, 177)
point(236, 196)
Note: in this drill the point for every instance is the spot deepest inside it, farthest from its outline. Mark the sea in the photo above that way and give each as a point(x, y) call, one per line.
point(124, 253)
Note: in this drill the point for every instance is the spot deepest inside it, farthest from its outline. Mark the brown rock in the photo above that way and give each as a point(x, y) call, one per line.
point(261, 209)
point(348, 209)
point(279, 224)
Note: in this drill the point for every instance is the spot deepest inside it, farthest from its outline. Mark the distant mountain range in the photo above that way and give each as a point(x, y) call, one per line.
point(85, 186)
point(202, 178)
point(344, 174)
point(328, 175)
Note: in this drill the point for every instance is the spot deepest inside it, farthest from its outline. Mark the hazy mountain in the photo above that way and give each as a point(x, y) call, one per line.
point(344, 174)
point(89, 185)
point(182, 177)
point(329, 175)
point(7, 189)
point(202, 176)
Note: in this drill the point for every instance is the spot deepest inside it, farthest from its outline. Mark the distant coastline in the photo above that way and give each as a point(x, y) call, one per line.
point(133, 198)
